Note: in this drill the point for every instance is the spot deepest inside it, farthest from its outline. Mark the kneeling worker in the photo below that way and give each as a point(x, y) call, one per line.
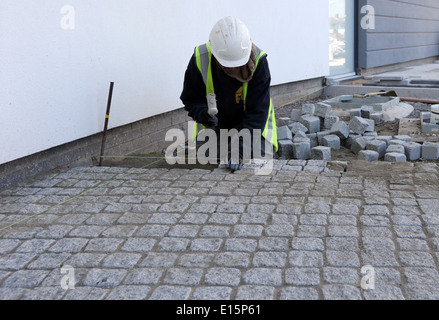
point(234, 72)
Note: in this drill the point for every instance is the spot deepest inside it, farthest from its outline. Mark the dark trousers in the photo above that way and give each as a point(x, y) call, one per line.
point(247, 146)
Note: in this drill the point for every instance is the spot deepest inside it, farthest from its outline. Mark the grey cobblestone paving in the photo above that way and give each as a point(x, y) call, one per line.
point(304, 231)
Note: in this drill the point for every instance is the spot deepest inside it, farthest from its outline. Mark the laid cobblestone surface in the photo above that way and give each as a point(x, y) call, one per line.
point(303, 231)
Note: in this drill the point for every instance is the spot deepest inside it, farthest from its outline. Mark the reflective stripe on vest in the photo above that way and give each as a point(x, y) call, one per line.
point(203, 57)
point(204, 64)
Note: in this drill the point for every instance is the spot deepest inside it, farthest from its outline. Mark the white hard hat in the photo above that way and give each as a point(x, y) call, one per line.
point(230, 42)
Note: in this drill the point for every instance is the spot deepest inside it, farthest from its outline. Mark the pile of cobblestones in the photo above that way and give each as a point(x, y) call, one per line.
point(313, 132)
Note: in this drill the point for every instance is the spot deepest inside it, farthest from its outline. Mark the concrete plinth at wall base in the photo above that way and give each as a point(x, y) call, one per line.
point(141, 137)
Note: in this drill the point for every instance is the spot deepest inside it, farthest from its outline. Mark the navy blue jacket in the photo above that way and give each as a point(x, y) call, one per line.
point(230, 106)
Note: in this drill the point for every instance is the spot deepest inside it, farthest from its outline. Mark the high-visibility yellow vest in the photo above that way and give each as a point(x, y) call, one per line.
point(203, 57)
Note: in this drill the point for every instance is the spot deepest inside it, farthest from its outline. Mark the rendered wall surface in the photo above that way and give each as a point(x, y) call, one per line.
point(54, 79)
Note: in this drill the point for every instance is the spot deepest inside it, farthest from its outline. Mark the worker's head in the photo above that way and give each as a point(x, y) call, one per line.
point(230, 42)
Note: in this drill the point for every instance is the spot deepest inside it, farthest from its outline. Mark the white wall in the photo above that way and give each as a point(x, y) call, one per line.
point(54, 82)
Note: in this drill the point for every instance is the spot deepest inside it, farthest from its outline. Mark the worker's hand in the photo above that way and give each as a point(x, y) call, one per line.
point(212, 121)
point(235, 164)
point(234, 167)
point(236, 155)
point(209, 121)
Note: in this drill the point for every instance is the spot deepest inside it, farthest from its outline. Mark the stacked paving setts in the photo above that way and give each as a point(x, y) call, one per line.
point(312, 133)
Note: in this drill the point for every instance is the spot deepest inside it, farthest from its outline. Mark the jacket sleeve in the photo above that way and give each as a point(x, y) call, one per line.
point(258, 98)
point(194, 92)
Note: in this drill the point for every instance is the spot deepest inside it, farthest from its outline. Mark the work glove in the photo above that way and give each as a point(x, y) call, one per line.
point(234, 166)
point(208, 120)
